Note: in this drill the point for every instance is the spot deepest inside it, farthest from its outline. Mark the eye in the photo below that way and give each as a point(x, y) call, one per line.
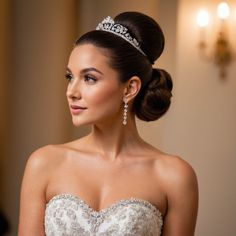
point(68, 76)
point(90, 79)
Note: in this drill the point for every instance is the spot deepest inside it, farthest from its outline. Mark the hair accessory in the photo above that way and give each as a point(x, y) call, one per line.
point(109, 25)
point(125, 113)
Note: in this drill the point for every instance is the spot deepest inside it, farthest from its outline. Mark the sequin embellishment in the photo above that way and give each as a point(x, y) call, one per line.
point(68, 215)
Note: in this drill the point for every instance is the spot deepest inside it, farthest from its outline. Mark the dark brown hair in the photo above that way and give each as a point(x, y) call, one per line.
point(154, 97)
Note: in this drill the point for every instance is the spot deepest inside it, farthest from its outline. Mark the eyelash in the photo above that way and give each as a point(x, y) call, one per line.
point(69, 77)
point(87, 78)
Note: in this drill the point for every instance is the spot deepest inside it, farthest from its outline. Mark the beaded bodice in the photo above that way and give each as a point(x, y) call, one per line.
point(67, 215)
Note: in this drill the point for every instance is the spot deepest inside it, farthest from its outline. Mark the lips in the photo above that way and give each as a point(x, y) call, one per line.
point(75, 109)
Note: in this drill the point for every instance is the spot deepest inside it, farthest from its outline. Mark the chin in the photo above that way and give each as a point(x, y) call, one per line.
point(78, 121)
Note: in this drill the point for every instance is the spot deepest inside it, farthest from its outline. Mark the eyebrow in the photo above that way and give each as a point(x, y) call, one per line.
point(86, 70)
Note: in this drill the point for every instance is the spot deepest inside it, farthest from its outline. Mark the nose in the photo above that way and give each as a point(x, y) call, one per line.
point(73, 90)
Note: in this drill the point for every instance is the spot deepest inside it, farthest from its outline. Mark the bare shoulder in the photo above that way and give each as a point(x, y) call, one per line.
point(45, 158)
point(40, 166)
point(175, 172)
point(38, 169)
point(179, 183)
point(53, 155)
point(43, 155)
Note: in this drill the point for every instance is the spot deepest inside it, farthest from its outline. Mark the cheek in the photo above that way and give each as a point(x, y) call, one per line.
point(105, 97)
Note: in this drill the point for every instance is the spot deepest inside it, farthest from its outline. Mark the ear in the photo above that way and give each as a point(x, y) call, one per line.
point(132, 88)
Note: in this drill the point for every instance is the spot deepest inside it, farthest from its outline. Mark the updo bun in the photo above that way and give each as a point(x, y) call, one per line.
point(155, 96)
point(147, 32)
point(154, 100)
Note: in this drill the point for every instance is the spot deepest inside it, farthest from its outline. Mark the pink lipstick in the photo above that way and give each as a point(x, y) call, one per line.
point(75, 110)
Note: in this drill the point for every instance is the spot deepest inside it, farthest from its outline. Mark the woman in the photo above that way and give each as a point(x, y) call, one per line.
point(111, 182)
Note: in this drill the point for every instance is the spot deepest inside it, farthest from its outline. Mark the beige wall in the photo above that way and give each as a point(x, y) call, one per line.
point(42, 37)
point(202, 126)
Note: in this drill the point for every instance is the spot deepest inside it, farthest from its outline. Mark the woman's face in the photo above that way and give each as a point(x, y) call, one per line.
point(94, 92)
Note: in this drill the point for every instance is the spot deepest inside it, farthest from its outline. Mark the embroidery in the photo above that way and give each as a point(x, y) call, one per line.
point(67, 215)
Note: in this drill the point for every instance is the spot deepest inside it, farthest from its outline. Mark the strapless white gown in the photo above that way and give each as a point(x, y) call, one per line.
point(67, 215)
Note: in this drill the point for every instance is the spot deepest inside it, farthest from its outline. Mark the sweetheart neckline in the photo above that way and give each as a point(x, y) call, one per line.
point(109, 207)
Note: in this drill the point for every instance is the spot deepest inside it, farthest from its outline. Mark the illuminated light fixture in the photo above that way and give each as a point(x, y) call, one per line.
point(203, 18)
point(222, 54)
point(202, 21)
point(223, 10)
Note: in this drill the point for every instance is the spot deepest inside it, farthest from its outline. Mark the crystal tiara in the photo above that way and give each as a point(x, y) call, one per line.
point(109, 25)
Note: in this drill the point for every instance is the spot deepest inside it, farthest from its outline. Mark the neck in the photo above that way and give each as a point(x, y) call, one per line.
point(113, 140)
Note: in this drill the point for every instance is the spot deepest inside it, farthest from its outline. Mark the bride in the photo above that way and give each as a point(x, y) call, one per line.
point(111, 182)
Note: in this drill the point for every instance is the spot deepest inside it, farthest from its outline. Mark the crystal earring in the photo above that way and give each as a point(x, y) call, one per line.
point(125, 112)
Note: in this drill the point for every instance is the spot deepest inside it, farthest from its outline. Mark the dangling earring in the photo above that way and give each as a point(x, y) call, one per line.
point(125, 113)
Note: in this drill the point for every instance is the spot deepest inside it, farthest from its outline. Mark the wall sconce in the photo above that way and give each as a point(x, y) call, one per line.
point(222, 53)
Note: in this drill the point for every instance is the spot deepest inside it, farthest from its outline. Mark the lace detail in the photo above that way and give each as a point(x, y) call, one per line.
point(68, 215)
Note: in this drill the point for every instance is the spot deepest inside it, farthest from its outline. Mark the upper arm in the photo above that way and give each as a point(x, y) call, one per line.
point(32, 200)
point(182, 198)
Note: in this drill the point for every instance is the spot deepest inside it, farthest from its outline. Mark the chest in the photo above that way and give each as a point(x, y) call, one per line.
point(101, 184)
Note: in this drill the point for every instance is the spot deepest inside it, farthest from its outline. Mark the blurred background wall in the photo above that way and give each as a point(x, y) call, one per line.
point(36, 39)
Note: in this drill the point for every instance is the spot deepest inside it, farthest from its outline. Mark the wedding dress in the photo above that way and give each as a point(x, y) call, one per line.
point(68, 215)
